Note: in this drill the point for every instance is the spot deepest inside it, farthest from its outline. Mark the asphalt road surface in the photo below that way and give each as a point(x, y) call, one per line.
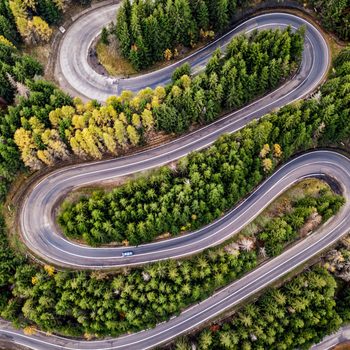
point(76, 76)
point(311, 164)
point(329, 342)
point(37, 217)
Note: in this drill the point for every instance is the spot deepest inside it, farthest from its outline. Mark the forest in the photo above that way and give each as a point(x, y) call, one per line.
point(91, 130)
point(335, 16)
point(299, 314)
point(151, 31)
point(46, 125)
point(205, 184)
point(29, 21)
point(294, 316)
point(98, 304)
point(43, 98)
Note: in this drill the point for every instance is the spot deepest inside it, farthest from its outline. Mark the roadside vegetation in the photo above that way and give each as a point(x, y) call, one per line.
point(15, 70)
point(97, 304)
point(31, 22)
point(297, 315)
point(250, 67)
point(335, 16)
point(46, 125)
point(154, 31)
point(205, 184)
point(294, 316)
point(109, 56)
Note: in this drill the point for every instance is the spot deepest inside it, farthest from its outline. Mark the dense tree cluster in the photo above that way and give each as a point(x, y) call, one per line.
point(335, 16)
point(281, 230)
point(8, 27)
point(78, 303)
point(337, 261)
point(15, 69)
point(8, 264)
point(203, 185)
point(250, 67)
point(75, 303)
point(29, 20)
point(42, 99)
point(295, 316)
point(149, 31)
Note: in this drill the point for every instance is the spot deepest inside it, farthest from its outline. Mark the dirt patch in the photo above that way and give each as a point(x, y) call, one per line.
point(106, 59)
point(310, 225)
point(343, 346)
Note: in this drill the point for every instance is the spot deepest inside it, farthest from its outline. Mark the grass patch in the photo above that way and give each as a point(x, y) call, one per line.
point(111, 60)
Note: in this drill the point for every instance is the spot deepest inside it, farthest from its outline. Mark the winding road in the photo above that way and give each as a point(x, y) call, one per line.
point(37, 213)
point(37, 219)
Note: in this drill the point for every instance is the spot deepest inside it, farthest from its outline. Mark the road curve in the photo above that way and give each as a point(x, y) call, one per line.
point(337, 338)
point(310, 164)
point(37, 213)
point(76, 76)
point(39, 232)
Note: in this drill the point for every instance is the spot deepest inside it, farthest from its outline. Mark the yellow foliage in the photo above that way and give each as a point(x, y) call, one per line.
point(109, 142)
point(135, 102)
point(267, 164)
point(147, 119)
point(122, 118)
point(160, 92)
point(120, 132)
point(176, 91)
point(155, 102)
point(133, 135)
point(277, 150)
point(35, 280)
point(4, 41)
point(49, 269)
point(265, 151)
point(168, 54)
point(41, 28)
point(126, 95)
point(186, 81)
point(29, 330)
point(136, 120)
point(60, 4)
point(23, 138)
point(45, 156)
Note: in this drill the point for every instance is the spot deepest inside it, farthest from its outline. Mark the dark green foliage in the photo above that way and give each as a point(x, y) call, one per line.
point(104, 36)
point(8, 260)
point(205, 185)
point(295, 316)
point(8, 27)
point(48, 10)
point(282, 230)
point(185, 69)
point(43, 98)
point(18, 67)
point(7, 30)
point(146, 29)
point(335, 16)
point(76, 303)
point(250, 66)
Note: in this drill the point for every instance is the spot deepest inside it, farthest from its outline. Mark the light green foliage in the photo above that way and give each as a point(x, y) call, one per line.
point(297, 315)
